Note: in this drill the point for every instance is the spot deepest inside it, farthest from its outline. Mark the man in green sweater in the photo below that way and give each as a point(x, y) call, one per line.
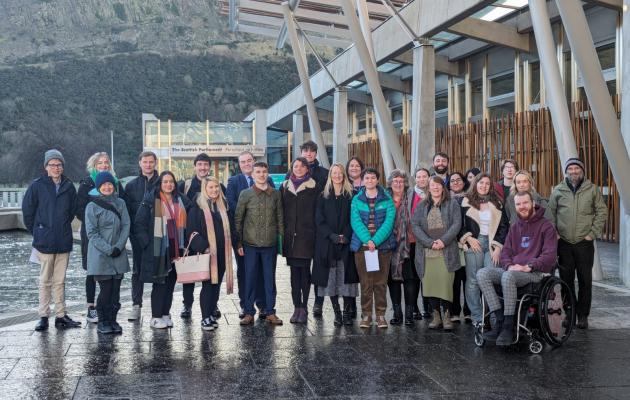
point(579, 214)
point(259, 224)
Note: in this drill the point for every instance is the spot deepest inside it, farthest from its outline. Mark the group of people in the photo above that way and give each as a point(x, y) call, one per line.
point(339, 230)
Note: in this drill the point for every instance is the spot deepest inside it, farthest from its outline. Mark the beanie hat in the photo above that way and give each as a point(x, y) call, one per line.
point(51, 155)
point(573, 161)
point(104, 177)
point(202, 157)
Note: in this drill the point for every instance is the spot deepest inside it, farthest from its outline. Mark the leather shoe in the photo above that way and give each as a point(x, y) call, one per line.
point(42, 324)
point(66, 322)
point(247, 320)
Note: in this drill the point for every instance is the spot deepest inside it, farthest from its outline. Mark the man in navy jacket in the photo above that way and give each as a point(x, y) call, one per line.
point(136, 189)
point(48, 209)
point(236, 184)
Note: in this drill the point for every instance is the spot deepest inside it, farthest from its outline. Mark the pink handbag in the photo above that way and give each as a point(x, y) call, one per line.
point(195, 268)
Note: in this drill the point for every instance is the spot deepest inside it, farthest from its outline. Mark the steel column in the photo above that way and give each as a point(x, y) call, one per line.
point(423, 106)
point(340, 126)
point(299, 56)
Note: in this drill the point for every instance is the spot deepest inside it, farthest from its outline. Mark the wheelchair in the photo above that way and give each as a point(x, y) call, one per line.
point(545, 313)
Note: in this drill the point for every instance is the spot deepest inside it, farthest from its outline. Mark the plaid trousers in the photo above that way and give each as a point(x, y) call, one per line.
point(510, 281)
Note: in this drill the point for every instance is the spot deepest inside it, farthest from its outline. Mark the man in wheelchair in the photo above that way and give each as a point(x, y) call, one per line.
point(529, 251)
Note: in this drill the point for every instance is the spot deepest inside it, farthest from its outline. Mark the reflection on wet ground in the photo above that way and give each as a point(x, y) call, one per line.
point(316, 360)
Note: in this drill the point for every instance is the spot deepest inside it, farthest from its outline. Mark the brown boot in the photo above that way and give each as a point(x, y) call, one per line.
point(447, 324)
point(436, 322)
point(366, 321)
point(247, 320)
point(273, 319)
point(381, 322)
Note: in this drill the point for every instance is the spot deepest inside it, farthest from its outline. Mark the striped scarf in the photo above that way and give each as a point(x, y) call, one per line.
point(169, 226)
point(212, 242)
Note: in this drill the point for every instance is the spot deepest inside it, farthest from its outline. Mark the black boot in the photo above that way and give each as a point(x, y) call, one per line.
point(398, 315)
point(338, 318)
point(497, 325)
point(42, 325)
point(104, 325)
point(116, 328)
point(507, 333)
point(318, 306)
point(409, 319)
point(186, 311)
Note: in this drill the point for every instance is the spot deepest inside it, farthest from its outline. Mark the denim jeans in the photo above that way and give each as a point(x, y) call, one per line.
point(260, 265)
point(240, 278)
point(474, 262)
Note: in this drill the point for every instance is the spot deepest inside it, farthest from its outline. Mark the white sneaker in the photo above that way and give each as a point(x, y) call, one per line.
point(167, 320)
point(135, 313)
point(158, 323)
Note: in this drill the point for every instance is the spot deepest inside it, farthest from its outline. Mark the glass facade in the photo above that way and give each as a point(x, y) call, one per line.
point(177, 143)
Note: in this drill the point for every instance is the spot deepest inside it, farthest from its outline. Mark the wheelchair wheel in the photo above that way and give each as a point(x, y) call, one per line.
point(535, 346)
point(479, 339)
point(556, 311)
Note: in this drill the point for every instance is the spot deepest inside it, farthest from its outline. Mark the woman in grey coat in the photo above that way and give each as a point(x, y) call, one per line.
point(435, 224)
point(107, 227)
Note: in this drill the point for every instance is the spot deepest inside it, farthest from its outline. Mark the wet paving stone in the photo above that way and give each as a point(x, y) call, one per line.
point(134, 386)
point(41, 388)
point(60, 367)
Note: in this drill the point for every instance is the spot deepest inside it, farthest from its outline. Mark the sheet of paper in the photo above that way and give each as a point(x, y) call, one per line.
point(34, 257)
point(371, 261)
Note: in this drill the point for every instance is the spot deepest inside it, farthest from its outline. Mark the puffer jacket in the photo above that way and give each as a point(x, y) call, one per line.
point(298, 210)
point(384, 217)
point(580, 214)
point(105, 232)
point(258, 217)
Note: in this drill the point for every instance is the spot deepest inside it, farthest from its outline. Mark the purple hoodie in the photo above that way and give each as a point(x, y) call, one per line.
point(533, 241)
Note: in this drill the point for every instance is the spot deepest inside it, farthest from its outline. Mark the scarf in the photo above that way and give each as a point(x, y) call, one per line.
point(298, 181)
point(402, 246)
point(212, 242)
point(420, 192)
point(169, 225)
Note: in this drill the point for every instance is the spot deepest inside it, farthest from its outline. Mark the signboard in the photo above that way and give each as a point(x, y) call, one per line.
point(277, 179)
point(216, 150)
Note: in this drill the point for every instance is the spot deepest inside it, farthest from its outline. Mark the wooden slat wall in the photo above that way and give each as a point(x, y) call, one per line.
point(528, 138)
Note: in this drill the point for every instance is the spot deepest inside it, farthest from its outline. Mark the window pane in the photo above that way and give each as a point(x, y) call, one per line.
point(535, 83)
point(502, 85)
point(606, 55)
point(462, 103)
point(477, 97)
point(441, 101)
point(501, 110)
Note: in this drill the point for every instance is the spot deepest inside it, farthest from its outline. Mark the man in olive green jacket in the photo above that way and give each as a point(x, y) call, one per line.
point(579, 214)
point(259, 224)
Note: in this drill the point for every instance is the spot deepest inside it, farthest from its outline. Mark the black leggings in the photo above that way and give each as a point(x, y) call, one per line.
point(90, 289)
point(209, 296)
point(108, 302)
point(458, 282)
point(410, 283)
point(300, 286)
point(162, 295)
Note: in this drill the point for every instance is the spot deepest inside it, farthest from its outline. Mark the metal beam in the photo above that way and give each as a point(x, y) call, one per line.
point(390, 148)
point(302, 67)
point(427, 17)
point(391, 82)
point(273, 32)
point(616, 5)
point(583, 48)
point(491, 32)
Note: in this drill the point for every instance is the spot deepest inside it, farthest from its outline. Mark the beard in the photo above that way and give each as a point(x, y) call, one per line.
point(528, 215)
point(440, 170)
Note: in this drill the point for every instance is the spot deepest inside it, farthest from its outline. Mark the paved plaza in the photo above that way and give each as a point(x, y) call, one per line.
point(316, 360)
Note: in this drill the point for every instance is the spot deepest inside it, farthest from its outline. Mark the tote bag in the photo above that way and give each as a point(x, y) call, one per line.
point(195, 268)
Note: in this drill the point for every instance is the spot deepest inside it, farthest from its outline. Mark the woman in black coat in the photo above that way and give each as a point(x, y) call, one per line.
point(215, 240)
point(331, 271)
point(299, 195)
point(158, 267)
point(98, 162)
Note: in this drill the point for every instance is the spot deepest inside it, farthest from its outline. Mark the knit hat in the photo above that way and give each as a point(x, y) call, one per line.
point(51, 155)
point(573, 161)
point(202, 157)
point(104, 177)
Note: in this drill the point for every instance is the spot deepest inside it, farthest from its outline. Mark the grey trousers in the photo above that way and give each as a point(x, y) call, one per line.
point(510, 281)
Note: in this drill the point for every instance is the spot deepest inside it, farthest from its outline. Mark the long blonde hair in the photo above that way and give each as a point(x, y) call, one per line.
point(346, 186)
point(529, 177)
point(203, 201)
point(91, 162)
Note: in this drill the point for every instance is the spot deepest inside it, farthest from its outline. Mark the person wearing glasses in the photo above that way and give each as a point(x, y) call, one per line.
point(48, 209)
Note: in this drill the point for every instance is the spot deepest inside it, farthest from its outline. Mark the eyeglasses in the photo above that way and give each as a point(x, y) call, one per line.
point(55, 165)
point(456, 181)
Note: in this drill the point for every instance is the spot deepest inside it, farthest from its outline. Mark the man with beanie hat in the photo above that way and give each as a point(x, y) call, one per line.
point(579, 213)
point(48, 209)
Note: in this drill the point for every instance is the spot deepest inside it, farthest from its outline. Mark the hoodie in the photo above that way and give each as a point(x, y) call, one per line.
point(532, 241)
